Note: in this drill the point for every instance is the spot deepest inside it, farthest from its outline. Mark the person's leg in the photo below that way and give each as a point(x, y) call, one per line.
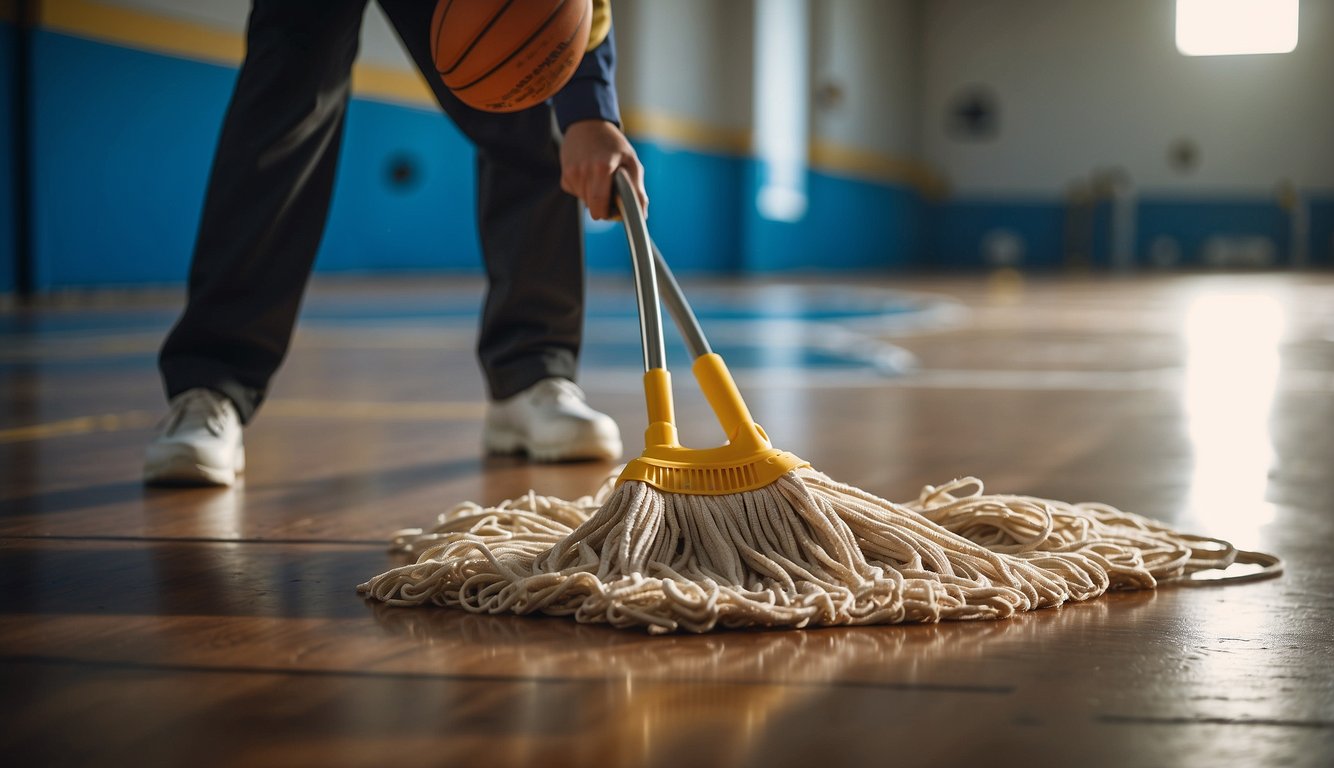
point(267, 200)
point(531, 231)
point(264, 213)
point(532, 243)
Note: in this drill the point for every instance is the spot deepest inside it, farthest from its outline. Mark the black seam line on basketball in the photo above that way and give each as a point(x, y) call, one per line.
point(985, 690)
point(476, 38)
point(196, 540)
point(436, 32)
point(550, 18)
point(1250, 721)
point(564, 44)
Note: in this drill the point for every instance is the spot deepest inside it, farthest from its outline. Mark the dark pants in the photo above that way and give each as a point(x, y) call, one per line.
point(268, 199)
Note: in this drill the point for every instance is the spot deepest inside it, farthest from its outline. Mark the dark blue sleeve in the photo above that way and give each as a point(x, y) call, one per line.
point(591, 92)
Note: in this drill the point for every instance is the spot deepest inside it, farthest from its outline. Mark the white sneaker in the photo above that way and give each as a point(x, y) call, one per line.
point(550, 421)
point(200, 442)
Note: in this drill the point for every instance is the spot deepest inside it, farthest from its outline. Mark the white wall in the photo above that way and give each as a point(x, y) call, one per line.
point(870, 50)
point(379, 43)
point(693, 59)
point(1087, 84)
point(689, 59)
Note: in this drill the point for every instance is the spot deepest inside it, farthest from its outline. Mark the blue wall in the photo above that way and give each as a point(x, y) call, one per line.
point(426, 224)
point(703, 216)
point(1190, 223)
point(692, 212)
point(121, 144)
point(848, 225)
point(7, 244)
point(124, 140)
point(959, 227)
point(1322, 231)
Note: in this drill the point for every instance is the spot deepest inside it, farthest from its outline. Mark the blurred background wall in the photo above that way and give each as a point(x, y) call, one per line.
point(851, 135)
point(1094, 97)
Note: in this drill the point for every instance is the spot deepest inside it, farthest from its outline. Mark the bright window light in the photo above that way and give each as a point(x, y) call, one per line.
point(1231, 27)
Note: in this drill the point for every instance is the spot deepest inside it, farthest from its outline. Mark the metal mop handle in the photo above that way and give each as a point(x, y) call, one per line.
point(646, 284)
point(648, 269)
point(684, 317)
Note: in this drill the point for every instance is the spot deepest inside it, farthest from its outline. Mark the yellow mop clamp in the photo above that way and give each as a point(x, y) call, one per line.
point(748, 461)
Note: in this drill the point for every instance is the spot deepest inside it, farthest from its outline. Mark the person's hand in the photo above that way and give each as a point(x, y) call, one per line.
point(590, 154)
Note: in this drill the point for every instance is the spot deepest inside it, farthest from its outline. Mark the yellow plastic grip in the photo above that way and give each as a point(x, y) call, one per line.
point(716, 382)
point(661, 412)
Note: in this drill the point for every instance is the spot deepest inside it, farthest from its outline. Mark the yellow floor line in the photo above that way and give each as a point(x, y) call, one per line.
point(371, 410)
point(83, 425)
point(341, 410)
point(76, 348)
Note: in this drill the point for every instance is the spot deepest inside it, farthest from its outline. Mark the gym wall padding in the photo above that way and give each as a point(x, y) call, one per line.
point(1322, 230)
point(1190, 223)
point(124, 140)
point(8, 199)
point(703, 214)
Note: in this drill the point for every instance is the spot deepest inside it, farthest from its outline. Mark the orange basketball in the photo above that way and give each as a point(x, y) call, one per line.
point(507, 55)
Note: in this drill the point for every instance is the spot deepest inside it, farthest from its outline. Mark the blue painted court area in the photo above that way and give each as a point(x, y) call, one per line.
point(757, 326)
point(762, 326)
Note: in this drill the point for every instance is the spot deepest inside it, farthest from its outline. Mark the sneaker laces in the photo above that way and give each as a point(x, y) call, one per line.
point(198, 407)
point(551, 390)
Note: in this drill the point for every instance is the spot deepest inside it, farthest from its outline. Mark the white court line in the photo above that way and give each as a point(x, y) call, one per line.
point(611, 380)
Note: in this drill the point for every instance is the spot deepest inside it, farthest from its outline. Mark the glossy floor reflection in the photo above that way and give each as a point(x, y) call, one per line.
point(221, 627)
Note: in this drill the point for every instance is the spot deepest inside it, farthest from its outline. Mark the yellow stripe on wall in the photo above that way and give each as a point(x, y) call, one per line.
point(384, 84)
point(202, 42)
point(824, 155)
point(695, 134)
point(876, 166)
point(137, 29)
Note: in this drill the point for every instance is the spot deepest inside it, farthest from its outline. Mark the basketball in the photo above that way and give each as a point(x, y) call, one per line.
point(508, 55)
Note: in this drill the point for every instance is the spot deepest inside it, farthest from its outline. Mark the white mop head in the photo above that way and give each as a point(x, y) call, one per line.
point(804, 551)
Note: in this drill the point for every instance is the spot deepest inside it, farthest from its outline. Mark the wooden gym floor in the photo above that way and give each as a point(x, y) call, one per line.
point(221, 627)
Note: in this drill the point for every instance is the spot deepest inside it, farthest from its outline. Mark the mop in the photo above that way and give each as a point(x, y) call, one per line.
point(748, 535)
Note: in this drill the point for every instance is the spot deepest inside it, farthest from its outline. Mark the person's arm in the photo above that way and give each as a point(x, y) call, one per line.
point(589, 116)
point(591, 92)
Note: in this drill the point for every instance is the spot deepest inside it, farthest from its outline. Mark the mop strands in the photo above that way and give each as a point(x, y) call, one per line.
point(803, 551)
point(749, 535)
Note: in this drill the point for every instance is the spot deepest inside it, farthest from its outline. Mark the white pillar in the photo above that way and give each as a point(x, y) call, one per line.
point(782, 106)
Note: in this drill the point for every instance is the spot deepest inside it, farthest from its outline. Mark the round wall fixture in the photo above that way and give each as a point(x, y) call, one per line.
point(1183, 155)
point(973, 114)
point(402, 172)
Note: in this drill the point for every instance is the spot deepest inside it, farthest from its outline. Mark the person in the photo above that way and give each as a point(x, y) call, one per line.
point(264, 214)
